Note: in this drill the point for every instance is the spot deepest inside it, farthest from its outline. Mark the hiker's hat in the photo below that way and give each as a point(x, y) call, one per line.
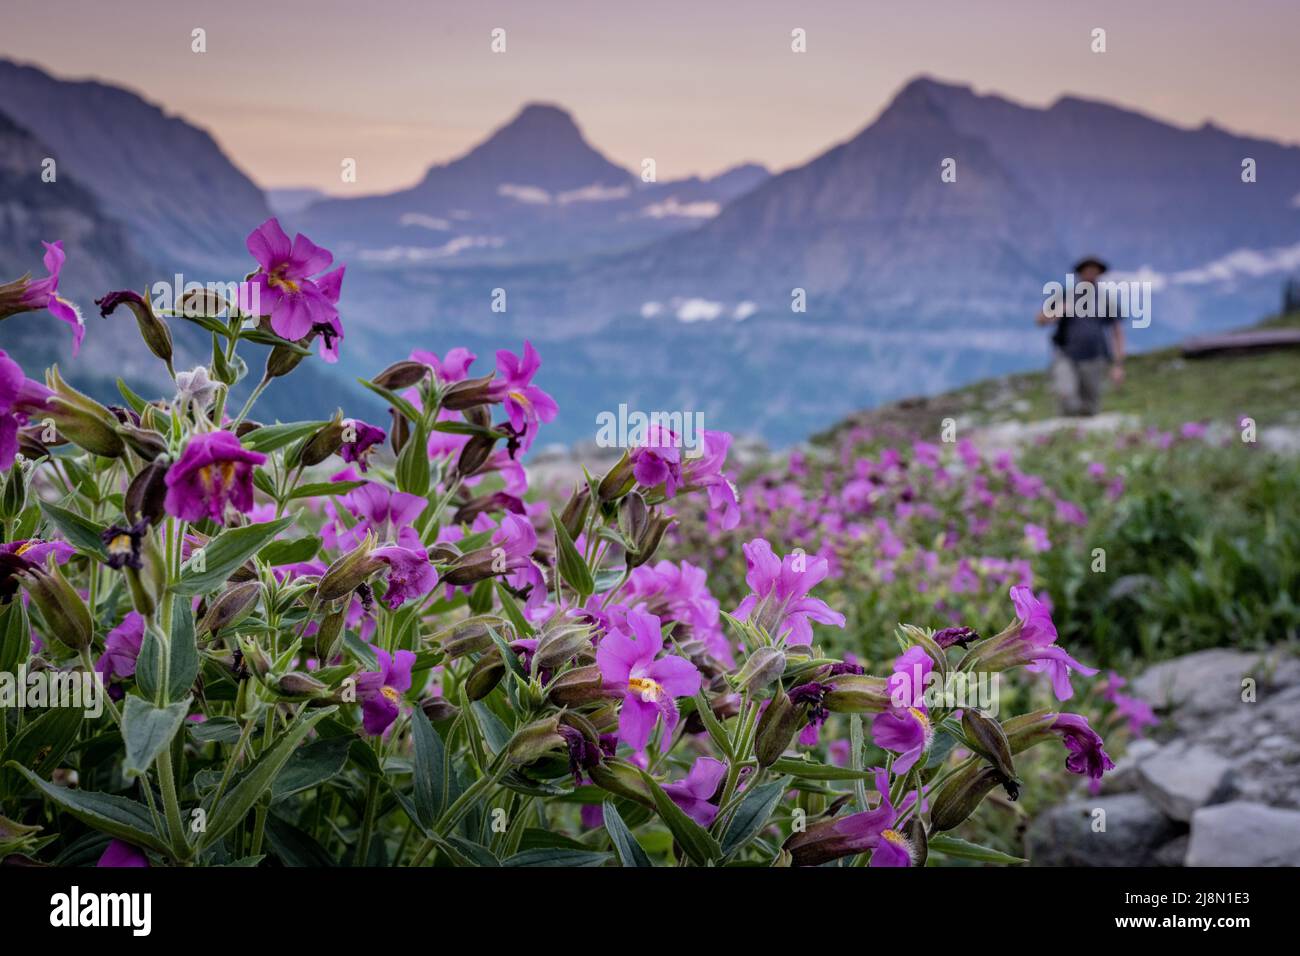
point(1089, 261)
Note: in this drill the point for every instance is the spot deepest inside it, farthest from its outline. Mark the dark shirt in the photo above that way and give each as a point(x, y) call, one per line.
point(1085, 337)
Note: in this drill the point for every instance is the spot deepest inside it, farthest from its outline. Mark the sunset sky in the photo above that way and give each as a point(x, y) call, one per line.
point(291, 87)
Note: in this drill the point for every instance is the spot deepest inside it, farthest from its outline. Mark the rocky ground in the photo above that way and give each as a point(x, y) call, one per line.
point(1219, 785)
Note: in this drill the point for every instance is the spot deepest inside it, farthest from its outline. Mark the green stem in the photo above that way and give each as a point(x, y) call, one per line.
point(171, 805)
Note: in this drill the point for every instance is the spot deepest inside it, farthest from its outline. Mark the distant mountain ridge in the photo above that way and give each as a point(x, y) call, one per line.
point(183, 201)
point(534, 190)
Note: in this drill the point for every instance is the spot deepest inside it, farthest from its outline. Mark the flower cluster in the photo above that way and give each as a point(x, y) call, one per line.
point(395, 615)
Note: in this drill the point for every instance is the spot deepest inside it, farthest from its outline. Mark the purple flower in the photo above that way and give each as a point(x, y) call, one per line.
point(628, 663)
point(410, 575)
point(526, 404)
point(1036, 535)
point(119, 853)
point(853, 834)
point(1039, 634)
point(367, 437)
point(705, 471)
point(700, 786)
point(658, 460)
point(215, 472)
point(960, 636)
point(1085, 746)
point(454, 367)
point(122, 648)
point(780, 603)
point(904, 730)
point(24, 295)
point(283, 287)
point(19, 395)
point(380, 692)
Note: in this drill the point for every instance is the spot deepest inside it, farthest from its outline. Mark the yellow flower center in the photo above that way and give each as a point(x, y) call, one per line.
point(121, 544)
point(226, 470)
point(896, 838)
point(280, 282)
point(920, 715)
point(522, 399)
point(391, 693)
point(647, 688)
point(25, 546)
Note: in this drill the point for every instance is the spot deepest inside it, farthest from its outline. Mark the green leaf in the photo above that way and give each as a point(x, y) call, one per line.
point(259, 777)
point(270, 437)
point(430, 756)
point(116, 816)
point(184, 667)
point(812, 770)
point(290, 551)
point(227, 551)
point(319, 489)
point(136, 402)
point(573, 568)
point(15, 637)
point(82, 533)
point(42, 742)
point(629, 851)
point(295, 847)
point(147, 729)
point(224, 730)
point(412, 471)
point(752, 815)
point(557, 856)
point(965, 850)
point(392, 398)
point(695, 841)
point(717, 733)
point(312, 765)
point(512, 612)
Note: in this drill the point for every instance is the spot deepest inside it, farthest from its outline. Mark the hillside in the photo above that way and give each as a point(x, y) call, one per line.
point(1162, 389)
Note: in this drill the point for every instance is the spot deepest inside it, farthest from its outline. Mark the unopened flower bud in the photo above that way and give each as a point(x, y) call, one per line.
point(918, 839)
point(470, 392)
point(648, 543)
point(439, 709)
point(299, 686)
point(231, 606)
point(990, 741)
point(254, 658)
point(574, 515)
point(765, 665)
point(858, 694)
point(145, 442)
point(470, 636)
point(621, 779)
point(330, 633)
point(781, 720)
point(484, 676)
point(14, 497)
point(82, 420)
point(147, 493)
point(581, 685)
point(534, 741)
point(401, 374)
point(399, 431)
point(617, 482)
point(324, 442)
point(345, 574)
point(962, 793)
point(474, 454)
point(560, 641)
point(67, 619)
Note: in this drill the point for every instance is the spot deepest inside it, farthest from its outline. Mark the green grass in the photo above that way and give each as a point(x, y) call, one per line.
point(1162, 388)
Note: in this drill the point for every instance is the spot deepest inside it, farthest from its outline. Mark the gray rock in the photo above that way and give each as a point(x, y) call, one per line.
point(1181, 778)
point(1244, 834)
point(1123, 778)
point(1172, 853)
point(1204, 686)
point(1064, 835)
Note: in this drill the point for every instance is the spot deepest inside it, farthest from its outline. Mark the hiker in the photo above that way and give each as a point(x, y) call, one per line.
point(1085, 347)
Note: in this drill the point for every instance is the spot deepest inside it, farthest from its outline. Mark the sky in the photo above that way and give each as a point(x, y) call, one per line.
point(290, 88)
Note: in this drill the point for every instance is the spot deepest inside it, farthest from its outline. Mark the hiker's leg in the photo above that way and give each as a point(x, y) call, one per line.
point(1092, 381)
point(1065, 383)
